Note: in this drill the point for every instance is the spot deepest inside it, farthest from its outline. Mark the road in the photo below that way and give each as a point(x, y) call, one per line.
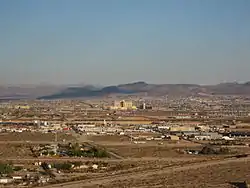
point(80, 139)
point(65, 159)
point(111, 154)
point(31, 142)
point(147, 144)
point(139, 175)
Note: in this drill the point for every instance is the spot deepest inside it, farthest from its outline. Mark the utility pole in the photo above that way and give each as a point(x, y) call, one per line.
point(55, 136)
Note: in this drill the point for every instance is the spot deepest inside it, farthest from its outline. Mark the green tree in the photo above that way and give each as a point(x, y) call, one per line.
point(52, 153)
point(18, 168)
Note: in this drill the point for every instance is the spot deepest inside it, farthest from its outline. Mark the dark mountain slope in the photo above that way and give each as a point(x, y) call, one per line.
point(154, 90)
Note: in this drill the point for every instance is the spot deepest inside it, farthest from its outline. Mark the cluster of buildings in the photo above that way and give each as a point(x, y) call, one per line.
point(123, 105)
point(98, 130)
point(30, 127)
point(163, 131)
point(87, 116)
point(43, 173)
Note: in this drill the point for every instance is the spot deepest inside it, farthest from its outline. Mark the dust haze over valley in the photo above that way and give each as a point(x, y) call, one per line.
point(145, 94)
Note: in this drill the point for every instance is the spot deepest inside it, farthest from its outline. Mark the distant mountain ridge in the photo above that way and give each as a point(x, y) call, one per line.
point(28, 92)
point(153, 90)
point(76, 91)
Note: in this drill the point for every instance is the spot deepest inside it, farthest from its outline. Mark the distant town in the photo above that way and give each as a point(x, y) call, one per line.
point(88, 142)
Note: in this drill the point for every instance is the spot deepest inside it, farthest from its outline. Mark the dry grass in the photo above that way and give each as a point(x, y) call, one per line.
point(122, 146)
point(109, 138)
point(14, 150)
point(139, 151)
point(215, 176)
point(34, 136)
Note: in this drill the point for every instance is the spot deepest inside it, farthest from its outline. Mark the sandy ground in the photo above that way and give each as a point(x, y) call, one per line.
point(35, 136)
point(14, 150)
point(202, 174)
point(17, 145)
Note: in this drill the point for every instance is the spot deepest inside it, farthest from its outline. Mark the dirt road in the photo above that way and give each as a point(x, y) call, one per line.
point(149, 143)
point(51, 159)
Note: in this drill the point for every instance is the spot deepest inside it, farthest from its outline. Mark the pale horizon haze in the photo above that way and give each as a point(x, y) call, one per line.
point(109, 42)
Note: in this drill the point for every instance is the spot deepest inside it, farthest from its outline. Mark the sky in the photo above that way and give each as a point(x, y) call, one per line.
point(109, 42)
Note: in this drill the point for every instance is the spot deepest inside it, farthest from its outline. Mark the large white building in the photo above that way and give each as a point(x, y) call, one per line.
point(123, 105)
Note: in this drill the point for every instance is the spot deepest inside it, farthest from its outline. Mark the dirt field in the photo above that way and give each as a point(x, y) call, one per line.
point(122, 146)
point(34, 136)
point(123, 168)
point(201, 174)
point(149, 165)
point(108, 138)
point(139, 151)
point(114, 140)
point(219, 176)
point(14, 150)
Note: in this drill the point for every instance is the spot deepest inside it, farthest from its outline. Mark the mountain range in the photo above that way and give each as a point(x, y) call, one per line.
point(71, 92)
point(153, 90)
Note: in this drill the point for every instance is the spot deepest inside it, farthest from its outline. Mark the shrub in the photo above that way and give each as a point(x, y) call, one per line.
point(101, 153)
point(94, 152)
point(224, 150)
point(52, 153)
point(6, 169)
point(207, 150)
point(62, 166)
point(18, 168)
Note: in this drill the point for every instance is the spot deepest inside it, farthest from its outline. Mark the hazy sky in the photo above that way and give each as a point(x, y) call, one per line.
point(119, 41)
